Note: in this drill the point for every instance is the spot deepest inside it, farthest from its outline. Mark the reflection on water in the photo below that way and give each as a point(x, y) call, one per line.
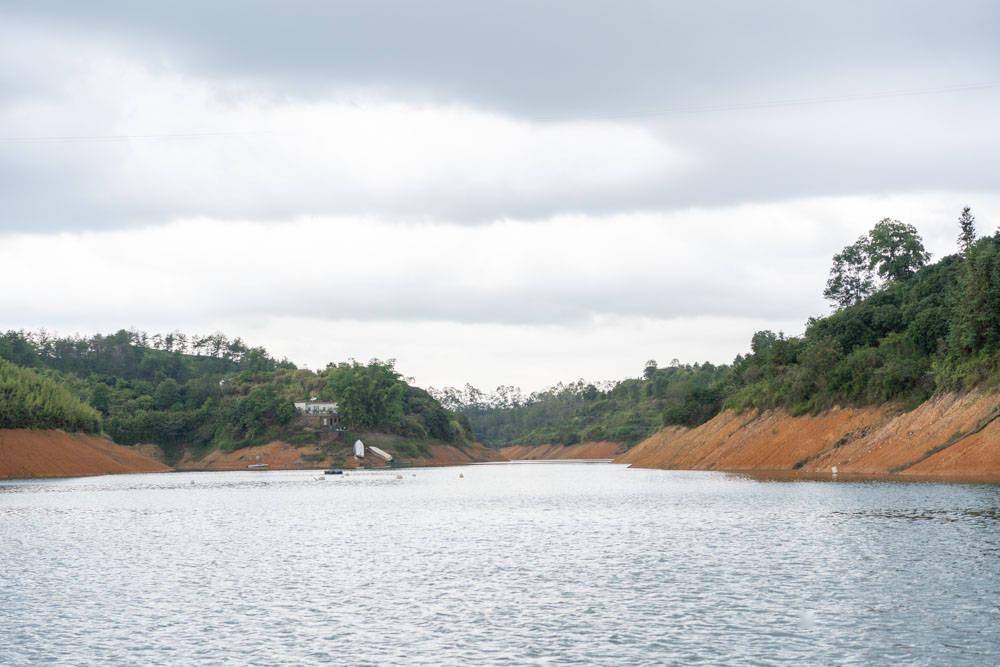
point(558, 563)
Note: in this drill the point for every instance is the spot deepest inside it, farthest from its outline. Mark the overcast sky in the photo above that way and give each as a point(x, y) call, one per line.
point(496, 193)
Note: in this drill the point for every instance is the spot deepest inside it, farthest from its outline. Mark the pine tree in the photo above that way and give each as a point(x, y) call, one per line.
point(967, 236)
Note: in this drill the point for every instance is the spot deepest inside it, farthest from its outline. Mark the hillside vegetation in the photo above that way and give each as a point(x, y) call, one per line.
point(625, 411)
point(902, 330)
point(30, 400)
point(208, 392)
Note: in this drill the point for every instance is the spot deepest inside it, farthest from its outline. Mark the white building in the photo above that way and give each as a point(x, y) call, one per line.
point(324, 412)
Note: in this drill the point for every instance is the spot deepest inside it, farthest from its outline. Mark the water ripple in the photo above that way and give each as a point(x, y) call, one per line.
point(546, 564)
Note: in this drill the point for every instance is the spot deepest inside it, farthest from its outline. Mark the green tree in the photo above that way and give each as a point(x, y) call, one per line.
point(895, 249)
point(976, 319)
point(369, 396)
point(17, 348)
point(967, 233)
point(100, 398)
point(851, 278)
point(167, 394)
point(257, 413)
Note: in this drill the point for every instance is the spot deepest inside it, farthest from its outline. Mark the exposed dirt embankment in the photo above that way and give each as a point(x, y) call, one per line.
point(447, 455)
point(585, 450)
point(277, 455)
point(50, 453)
point(949, 436)
point(280, 455)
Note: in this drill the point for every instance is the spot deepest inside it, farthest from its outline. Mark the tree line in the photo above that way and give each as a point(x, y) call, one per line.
point(229, 396)
point(902, 329)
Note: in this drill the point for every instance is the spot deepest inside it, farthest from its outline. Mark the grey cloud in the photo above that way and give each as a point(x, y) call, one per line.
point(558, 60)
point(562, 58)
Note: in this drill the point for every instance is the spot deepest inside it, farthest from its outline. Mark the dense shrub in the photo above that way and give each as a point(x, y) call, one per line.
point(28, 400)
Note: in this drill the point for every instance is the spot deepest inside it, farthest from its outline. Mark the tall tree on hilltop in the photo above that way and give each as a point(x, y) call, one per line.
point(892, 250)
point(851, 278)
point(896, 250)
point(967, 235)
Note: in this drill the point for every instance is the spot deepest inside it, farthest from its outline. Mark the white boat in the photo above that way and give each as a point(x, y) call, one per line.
point(385, 456)
point(257, 466)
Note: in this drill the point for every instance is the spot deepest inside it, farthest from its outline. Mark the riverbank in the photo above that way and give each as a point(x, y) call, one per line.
point(280, 455)
point(585, 450)
point(26, 453)
point(951, 436)
point(31, 453)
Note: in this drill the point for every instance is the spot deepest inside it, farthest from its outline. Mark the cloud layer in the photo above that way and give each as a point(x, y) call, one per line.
point(178, 146)
point(100, 133)
point(517, 193)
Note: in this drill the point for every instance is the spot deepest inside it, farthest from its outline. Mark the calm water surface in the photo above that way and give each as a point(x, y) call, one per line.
point(546, 563)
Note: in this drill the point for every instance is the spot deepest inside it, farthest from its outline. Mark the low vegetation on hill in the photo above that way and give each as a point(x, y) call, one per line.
point(208, 392)
point(902, 330)
point(624, 411)
point(31, 400)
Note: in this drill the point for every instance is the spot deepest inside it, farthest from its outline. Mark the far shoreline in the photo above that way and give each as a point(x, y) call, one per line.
point(762, 475)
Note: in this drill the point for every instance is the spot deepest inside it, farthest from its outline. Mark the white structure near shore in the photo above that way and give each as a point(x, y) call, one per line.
point(323, 412)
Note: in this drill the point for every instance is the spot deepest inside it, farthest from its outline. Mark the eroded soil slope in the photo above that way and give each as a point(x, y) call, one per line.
point(51, 453)
point(280, 455)
point(585, 450)
point(948, 436)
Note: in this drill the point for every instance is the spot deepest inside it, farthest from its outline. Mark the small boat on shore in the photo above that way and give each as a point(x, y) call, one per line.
point(333, 471)
point(257, 466)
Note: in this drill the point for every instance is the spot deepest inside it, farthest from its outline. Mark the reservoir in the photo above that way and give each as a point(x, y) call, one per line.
point(497, 564)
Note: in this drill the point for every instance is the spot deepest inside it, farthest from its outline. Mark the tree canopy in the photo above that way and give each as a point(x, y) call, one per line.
point(967, 230)
point(30, 400)
point(851, 277)
point(368, 395)
point(890, 251)
point(207, 391)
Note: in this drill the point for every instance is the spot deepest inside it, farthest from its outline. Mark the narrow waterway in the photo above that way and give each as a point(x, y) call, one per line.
point(553, 563)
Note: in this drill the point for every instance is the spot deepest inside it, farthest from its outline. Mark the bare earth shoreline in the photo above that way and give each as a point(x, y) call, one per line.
point(28, 453)
point(952, 437)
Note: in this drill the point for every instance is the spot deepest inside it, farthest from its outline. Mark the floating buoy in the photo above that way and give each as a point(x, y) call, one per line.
point(399, 477)
point(834, 470)
point(461, 476)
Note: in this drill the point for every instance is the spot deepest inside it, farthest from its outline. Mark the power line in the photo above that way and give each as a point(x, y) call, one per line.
point(646, 113)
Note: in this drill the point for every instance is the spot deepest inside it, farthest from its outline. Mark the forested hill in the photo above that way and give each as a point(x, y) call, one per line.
point(902, 330)
point(200, 391)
